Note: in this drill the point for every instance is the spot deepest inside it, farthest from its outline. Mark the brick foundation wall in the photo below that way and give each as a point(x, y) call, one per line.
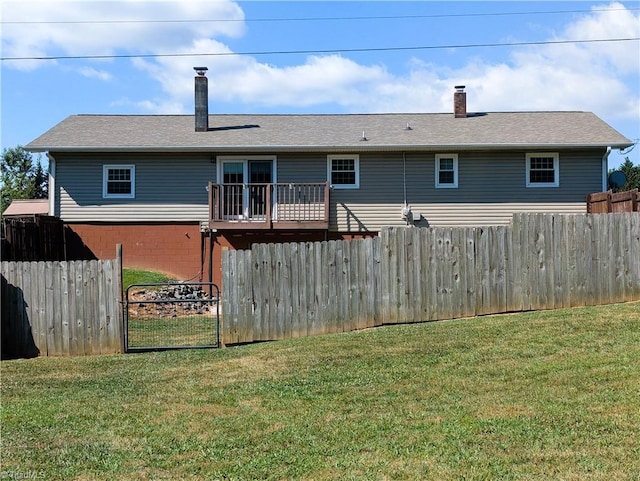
point(174, 249)
point(178, 250)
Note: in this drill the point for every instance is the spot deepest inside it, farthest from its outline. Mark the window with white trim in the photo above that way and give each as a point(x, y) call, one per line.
point(118, 181)
point(446, 171)
point(343, 171)
point(543, 169)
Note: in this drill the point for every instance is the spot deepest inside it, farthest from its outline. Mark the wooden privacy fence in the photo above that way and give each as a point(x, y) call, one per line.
point(33, 239)
point(540, 261)
point(606, 202)
point(61, 308)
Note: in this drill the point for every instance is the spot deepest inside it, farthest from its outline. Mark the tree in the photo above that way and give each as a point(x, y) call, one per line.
point(21, 177)
point(632, 173)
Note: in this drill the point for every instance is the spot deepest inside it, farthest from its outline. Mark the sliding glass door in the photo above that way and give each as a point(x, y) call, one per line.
point(246, 190)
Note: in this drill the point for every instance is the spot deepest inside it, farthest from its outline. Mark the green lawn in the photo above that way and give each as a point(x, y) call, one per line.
point(136, 276)
point(549, 395)
point(188, 330)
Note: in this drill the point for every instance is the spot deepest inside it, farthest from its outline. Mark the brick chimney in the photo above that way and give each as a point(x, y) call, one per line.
point(460, 102)
point(201, 99)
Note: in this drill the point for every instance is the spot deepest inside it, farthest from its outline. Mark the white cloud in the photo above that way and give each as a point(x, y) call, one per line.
point(95, 73)
point(601, 77)
point(134, 34)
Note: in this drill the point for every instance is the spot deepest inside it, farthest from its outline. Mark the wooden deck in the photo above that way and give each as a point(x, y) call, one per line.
point(288, 206)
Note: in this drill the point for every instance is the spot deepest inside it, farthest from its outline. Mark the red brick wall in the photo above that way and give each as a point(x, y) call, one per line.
point(176, 249)
point(173, 249)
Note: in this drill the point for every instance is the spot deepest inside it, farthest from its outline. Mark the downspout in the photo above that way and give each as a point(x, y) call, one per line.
point(605, 169)
point(52, 183)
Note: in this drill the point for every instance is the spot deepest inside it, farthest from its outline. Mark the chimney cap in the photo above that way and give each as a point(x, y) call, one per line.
point(459, 87)
point(200, 70)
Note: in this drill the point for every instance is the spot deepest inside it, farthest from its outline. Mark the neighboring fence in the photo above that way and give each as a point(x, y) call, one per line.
point(278, 291)
point(61, 308)
point(607, 202)
point(33, 239)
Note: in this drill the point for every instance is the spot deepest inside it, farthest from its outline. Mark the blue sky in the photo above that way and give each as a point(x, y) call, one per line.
point(602, 77)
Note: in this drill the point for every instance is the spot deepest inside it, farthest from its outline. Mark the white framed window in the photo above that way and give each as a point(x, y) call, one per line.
point(118, 181)
point(446, 171)
point(343, 171)
point(543, 169)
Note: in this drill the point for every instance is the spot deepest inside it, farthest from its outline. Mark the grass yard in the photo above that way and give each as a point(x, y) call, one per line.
point(188, 330)
point(551, 395)
point(136, 276)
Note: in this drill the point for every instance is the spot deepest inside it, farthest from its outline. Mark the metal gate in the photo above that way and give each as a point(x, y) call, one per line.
point(180, 315)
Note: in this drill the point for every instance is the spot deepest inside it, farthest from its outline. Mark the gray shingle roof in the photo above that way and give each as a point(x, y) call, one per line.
point(329, 132)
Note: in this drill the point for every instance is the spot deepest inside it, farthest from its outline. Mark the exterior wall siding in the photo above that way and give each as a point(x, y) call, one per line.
point(168, 188)
point(491, 187)
point(302, 168)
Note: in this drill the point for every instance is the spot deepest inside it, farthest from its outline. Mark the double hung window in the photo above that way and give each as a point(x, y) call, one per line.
point(542, 170)
point(446, 171)
point(343, 171)
point(118, 181)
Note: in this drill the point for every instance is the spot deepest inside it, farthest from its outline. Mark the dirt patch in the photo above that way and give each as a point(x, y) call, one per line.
point(173, 300)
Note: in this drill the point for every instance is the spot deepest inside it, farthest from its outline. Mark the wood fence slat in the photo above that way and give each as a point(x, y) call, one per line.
point(460, 296)
point(268, 287)
point(55, 324)
point(320, 287)
point(332, 302)
point(425, 284)
point(559, 261)
point(469, 270)
point(630, 273)
point(594, 290)
point(343, 293)
point(244, 326)
point(621, 253)
point(47, 276)
point(304, 279)
point(634, 261)
point(446, 287)
point(28, 293)
point(587, 260)
point(294, 272)
point(36, 311)
point(375, 270)
point(515, 266)
point(115, 307)
point(385, 294)
point(366, 284)
point(104, 346)
point(255, 295)
point(483, 271)
point(434, 262)
point(228, 306)
point(284, 282)
point(356, 274)
point(392, 266)
point(406, 276)
point(91, 331)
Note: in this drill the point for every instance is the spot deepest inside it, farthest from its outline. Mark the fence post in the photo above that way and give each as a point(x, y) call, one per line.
point(119, 297)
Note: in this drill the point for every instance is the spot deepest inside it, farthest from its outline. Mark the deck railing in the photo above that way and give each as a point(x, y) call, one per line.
point(269, 206)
